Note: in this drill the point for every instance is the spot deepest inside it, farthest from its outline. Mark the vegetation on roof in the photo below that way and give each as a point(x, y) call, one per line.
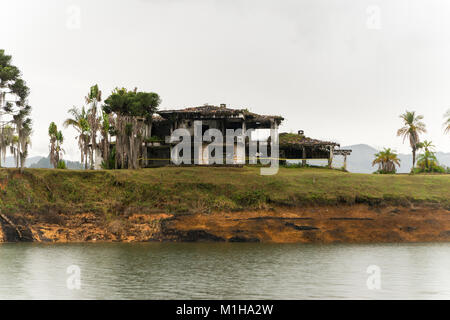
point(222, 111)
point(297, 139)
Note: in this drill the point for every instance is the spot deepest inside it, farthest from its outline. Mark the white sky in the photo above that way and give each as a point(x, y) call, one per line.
point(324, 65)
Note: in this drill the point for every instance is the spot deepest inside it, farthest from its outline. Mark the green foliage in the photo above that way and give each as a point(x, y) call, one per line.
point(426, 145)
point(52, 129)
point(16, 109)
point(432, 169)
point(387, 160)
point(94, 94)
point(132, 103)
point(153, 139)
point(8, 72)
point(251, 198)
point(412, 128)
point(56, 141)
point(106, 124)
point(61, 165)
point(428, 163)
point(128, 129)
point(110, 163)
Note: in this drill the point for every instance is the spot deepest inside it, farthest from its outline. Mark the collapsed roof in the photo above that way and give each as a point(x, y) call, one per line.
point(221, 112)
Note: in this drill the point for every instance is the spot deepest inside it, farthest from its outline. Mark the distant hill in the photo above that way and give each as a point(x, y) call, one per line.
point(10, 162)
point(362, 156)
point(39, 162)
point(44, 163)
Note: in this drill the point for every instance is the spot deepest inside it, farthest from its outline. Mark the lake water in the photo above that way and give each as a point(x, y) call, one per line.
point(224, 271)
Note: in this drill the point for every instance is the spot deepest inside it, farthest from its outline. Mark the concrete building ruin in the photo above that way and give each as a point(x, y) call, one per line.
point(158, 146)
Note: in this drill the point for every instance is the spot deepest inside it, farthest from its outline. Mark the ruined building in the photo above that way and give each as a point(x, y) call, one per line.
point(158, 144)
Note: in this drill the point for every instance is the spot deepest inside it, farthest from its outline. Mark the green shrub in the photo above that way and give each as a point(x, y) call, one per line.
point(251, 198)
point(110, 163)
point(61, 165)
point(385, 172)
point(432, 168)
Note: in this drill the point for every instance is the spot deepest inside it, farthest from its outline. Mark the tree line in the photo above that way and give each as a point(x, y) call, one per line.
point(124, 116)
point(15, 121)
point(413, 126)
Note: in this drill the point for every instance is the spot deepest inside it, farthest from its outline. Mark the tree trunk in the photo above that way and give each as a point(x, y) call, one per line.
point(91, 158)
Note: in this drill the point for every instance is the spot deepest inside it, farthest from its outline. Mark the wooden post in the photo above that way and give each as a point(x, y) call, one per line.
point(148, 134)
point(345, 162)
point(304, 156)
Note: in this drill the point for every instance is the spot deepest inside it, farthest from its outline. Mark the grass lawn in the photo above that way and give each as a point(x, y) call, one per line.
point(207, 189)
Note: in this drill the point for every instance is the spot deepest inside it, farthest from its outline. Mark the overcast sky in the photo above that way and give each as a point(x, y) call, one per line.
point(340, 70)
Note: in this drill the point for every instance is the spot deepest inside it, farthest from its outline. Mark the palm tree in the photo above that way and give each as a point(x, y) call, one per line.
point(386, 160)
point(104, 130)
point(58, 149)
point(426, 145)
point(80, 123)
point(93, 98)
point(447, 121)
point(52, 133)
point(427, 161)
point(23, 129)
point(413, 126)
point(56, 140)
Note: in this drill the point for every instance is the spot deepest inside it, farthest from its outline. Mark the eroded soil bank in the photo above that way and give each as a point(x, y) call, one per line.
point(358, 223)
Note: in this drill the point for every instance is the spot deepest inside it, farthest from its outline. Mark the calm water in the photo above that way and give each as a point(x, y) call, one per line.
point(224, 271)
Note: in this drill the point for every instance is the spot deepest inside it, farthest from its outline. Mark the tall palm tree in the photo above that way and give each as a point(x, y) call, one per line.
point(53, 133)
point(56, 141)
point(23, 129)
point(386, 160)
point(447, 121)
point(93, 99)
point(412, 127)
point(80, 123)
point(104, 130)
point(58, 149)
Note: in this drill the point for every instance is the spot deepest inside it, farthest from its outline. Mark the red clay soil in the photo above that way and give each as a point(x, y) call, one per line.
point(325, 224)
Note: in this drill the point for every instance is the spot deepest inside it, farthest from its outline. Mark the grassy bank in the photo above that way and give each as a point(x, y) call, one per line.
point(195, 189)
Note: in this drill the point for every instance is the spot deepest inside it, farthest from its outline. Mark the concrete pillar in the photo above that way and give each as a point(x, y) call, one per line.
point(330, 159)
point(240, 147)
